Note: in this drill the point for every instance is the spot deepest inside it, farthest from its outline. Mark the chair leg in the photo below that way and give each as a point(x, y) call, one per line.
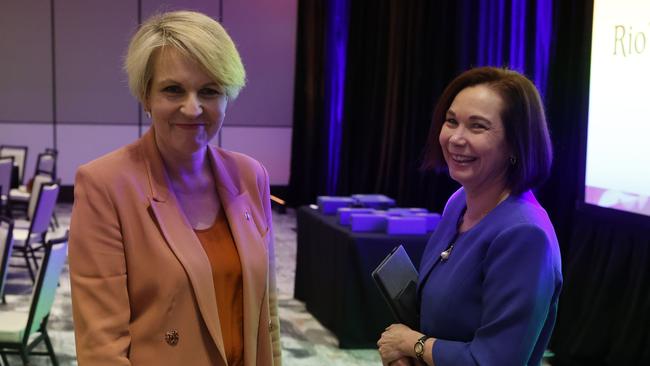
point(5, 362)
point(28, 263)
point(34, 259)
point(24, 356)
point(50, 349)
point(54, 222)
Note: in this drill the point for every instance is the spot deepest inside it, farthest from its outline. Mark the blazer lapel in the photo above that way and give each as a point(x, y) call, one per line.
point(438, 242)
point(251, 248)
point(181, 239)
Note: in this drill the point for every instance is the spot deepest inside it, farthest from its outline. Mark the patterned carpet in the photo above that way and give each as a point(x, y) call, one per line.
point(304, 340)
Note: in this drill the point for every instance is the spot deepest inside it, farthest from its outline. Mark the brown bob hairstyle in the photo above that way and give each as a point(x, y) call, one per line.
point(526, 132)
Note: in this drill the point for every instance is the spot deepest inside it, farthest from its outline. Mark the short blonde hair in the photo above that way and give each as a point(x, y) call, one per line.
point(195, 35)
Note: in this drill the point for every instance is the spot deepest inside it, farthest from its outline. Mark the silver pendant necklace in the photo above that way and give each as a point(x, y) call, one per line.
point(444, 255)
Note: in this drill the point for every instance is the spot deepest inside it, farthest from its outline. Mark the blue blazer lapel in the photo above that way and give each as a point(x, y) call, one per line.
point(440, 240)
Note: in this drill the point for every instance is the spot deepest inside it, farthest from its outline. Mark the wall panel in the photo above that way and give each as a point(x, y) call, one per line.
point(91, 38)
point(265, 33)
point(271, 146)
point(210, 8)
point(26, 62)
point(79, 144)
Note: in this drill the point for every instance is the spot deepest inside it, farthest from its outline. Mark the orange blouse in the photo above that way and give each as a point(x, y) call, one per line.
point(220, 247)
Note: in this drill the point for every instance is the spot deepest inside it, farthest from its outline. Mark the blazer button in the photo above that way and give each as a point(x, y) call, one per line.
point(171, 337)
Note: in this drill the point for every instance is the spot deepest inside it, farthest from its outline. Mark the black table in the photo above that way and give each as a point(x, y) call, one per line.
point(333, 267)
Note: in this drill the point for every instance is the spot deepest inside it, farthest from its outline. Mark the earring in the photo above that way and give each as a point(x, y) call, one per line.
point(148, 114)
point(513, 160)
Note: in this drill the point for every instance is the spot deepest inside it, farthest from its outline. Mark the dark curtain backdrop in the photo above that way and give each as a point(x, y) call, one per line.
point(309, 157)
point(400, 55)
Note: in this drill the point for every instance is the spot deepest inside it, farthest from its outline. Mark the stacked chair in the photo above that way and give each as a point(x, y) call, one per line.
point(27, 240)
point(45, 165)
point(30, 234)
point(6, 245)
point(19, 153)
point(6, 168)
point(22, 330)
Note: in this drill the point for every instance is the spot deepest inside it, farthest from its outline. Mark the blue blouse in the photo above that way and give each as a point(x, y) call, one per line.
point(494, 300)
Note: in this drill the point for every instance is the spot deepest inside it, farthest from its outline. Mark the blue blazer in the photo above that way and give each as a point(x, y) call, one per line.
point(494, 300)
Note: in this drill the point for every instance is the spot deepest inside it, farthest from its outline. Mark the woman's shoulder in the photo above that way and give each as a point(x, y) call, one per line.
point(239, 163)
point(524, 218)
point(245, 172)
point(524, 210)
point(234, 156)
point(112, 163)
point(119, 176)
point(517, 217)
point(456, 202)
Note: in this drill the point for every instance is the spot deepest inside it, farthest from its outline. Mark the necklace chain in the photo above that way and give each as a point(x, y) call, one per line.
point(444, 255)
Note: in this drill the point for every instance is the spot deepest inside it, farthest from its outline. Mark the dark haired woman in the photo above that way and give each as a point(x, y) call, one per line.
point(490, 275)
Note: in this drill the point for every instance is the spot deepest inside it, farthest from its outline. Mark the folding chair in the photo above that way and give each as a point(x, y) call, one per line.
point(30, 199)
point(22, 331)
point(19, 153)
point(6, 245)
point(46, 164)
point(18, 197)
point(6, 167)
point(39, 223)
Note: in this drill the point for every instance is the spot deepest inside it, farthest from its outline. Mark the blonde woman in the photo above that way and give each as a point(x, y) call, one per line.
point(171, 245)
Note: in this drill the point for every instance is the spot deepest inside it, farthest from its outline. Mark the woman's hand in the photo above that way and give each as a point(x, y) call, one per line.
point(404, 361)
point(397, 342)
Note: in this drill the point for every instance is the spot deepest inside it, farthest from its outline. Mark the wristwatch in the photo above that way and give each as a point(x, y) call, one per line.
point(418, 347)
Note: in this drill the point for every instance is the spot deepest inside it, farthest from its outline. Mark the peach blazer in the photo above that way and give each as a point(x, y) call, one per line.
point(142, 290)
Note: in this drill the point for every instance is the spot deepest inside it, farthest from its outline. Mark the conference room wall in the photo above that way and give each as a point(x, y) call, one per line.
point(265, 33)
point(79, 144)
point(90, 38)
point(271, 146)
point(66, 89)
point(26, 62)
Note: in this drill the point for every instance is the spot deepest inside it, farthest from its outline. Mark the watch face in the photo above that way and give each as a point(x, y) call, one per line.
point(419, 347)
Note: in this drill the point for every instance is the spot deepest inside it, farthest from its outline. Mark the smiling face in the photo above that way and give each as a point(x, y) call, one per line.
point(473, 139)
point(187, 107)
